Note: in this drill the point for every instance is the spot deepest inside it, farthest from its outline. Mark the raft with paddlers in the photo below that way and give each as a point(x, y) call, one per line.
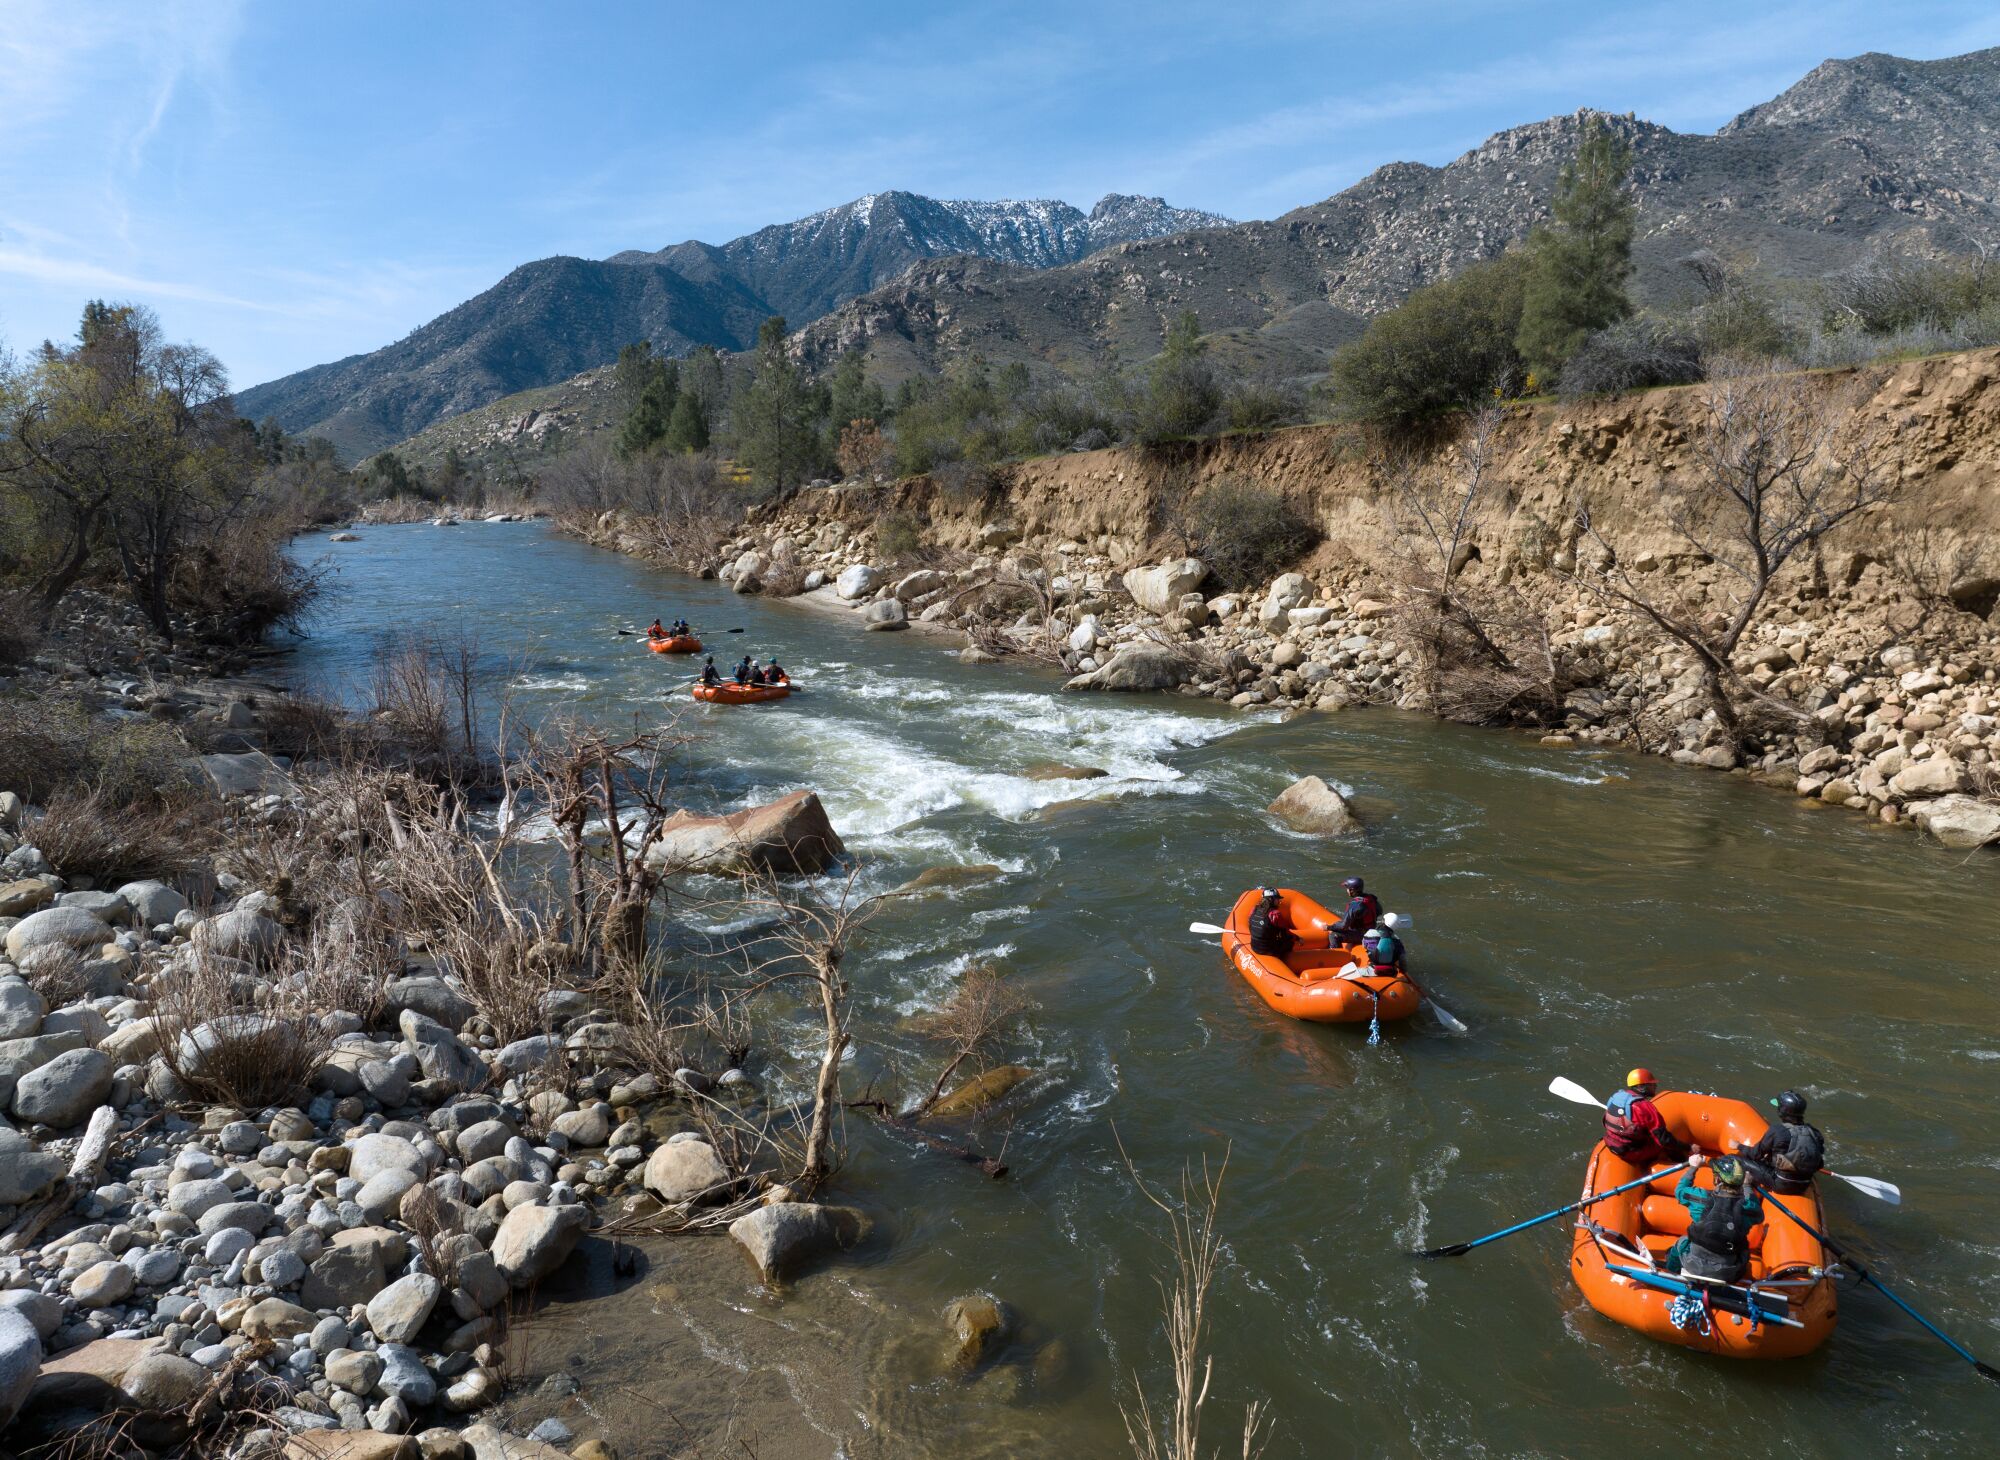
point(1320, 980)
point(675, 644)
point(731, 693)
point(1781, 1307)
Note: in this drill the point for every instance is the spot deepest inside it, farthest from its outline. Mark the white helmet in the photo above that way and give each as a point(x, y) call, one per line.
point(1392, 921)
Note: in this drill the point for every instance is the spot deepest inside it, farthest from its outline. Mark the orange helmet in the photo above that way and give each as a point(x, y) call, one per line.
point(1634, 1079)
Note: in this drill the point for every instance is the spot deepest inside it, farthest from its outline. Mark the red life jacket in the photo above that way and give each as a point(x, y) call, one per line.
point(1624, 1133)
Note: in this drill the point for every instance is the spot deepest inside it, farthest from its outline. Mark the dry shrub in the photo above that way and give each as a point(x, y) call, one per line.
point(980, 1009)
point(87, 833)
point(52, 742)
point(240, 584)
point(59, 975)
point(234, 1040)
point(426, 689)
point(305, 727)
point(430, 1221)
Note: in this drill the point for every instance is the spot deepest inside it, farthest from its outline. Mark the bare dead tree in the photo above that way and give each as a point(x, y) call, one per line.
point(1196, 1245)
point(993, 606)
point(1485, 651)
point(981, 1008)
point(1777, 463)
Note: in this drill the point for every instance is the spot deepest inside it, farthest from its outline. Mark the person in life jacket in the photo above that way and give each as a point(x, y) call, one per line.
point(775, 674)
point(1270, 928)
point(1364, 911)
point(1385, 950)
point(744, 670)
point(1634, 1129)
point(708, 675)
point(1719, 1221)
point(656, 632)
point(1791, 1152)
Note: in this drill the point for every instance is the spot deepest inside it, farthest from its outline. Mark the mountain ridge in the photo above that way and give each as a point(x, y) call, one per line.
point(552, 318)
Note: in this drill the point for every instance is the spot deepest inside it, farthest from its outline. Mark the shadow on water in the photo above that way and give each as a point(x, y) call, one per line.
point(1582, 912)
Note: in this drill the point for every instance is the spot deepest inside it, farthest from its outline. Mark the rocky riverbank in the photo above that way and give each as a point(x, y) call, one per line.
point(1887, 640)
point(259, 1199)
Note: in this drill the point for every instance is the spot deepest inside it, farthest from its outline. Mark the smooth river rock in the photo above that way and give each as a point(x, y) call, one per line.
point(1312, 805)
point(791, 835)
point(1137, 669)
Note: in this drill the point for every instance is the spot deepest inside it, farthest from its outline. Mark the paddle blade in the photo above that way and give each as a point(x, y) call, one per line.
point(1445, 1016)
point(1457, 1249)
point(1207, 930)
point(1868, 1185)
point(1987, 1371)
point(1573, 1092)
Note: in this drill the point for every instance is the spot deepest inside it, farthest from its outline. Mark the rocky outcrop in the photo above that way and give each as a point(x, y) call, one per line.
point(791, 836)
point(1137, 670)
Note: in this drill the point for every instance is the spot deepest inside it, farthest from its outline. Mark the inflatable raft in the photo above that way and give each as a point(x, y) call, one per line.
point(1307, 983)
point(1784, 1305)
point(679, 644)
point(741, 694)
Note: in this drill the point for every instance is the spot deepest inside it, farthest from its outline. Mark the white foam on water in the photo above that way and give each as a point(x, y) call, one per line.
point(571, 684)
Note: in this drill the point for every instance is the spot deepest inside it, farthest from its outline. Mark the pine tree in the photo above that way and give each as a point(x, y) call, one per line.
point(775, 431)
point(852, 396)
point(647, 424)
point(1578, 263)
point(1182, 393)
point(688, 430)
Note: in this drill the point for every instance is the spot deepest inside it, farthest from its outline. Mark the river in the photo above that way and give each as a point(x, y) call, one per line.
point(1581, 911)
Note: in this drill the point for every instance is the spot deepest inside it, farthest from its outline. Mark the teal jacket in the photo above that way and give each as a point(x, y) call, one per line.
point(1695, 1199)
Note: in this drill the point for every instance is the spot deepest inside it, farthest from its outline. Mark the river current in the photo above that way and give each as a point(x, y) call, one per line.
point(1580, 911)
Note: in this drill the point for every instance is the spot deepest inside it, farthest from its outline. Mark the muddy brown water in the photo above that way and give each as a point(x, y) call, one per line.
point(1582, 912)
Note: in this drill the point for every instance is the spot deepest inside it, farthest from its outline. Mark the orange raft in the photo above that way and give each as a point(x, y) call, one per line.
point(1307, 983)
point(679, 644)
point(1788, 1284)
point(741, 694)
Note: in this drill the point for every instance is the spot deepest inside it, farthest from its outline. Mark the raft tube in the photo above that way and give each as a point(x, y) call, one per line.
point(741, 694)
point(1610, 1234)
point(1307, 983)
point(680, 644)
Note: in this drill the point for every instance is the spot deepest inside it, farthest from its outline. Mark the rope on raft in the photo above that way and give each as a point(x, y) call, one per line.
point(1690, 1310)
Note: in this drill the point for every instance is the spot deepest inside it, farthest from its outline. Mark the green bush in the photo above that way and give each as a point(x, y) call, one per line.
point(899, 535)
point(1262, 405)
point(1183, 393)
point(1448, 346)
point(1246, 532)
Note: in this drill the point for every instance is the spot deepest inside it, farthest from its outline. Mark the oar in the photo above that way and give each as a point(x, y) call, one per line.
point(1459, 1249)
point(1985, 1370)
point(1868, 1185)
point(1445, 1016)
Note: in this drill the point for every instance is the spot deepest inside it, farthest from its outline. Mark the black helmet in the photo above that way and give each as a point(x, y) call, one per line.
point(1352, 884)
point(1269, 893)
point(1791, 1105)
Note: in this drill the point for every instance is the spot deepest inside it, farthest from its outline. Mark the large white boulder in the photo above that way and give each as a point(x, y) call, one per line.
point(857, 582)
point(1960, 822)
point(1158, 589)
point(1311, 805)
point(57, 927)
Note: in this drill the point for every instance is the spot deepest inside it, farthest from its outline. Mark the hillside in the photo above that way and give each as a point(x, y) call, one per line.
point(551, 319)
point(1859, 155)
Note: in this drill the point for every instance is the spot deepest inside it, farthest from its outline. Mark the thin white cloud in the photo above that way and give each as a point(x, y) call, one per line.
point(75, 273)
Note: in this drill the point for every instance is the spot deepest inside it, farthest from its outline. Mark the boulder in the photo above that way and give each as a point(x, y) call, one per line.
point(275, 1318)
point(979, 1325)
point(340, 1277)
point(685, 1172)
point(57, 927)
point(1311, 805)
point(1137, 669)
point(20, 1362)
point(398, 1313)
point(102, 1284)
point(534, 1241)
point(919, 584)
point(430, 996)
point(25, 1173)
point(372, 1154)
point(441, 1053)
point(888, 614)
point(239, 933)
point(783, 1237)
point(857, 582)
point(350, 1445)
point(489, 1443)
point(981, 1091)
point(21, 1009)
point(1158, 589)
point(165, 1383)
point(790, 835)
point(63, 1092)
point(90, 1376)
point(1938, 776)
point(1960, 822)
point(18, 1056)
point(18, 899)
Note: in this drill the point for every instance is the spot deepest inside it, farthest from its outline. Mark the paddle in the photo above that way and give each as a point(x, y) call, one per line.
point(1445, 1016)
point(1867, 1185)
point(1459, 1249)
point(1985, 1370)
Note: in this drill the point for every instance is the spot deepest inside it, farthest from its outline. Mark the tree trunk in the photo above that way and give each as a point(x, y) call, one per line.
point(826, 1092)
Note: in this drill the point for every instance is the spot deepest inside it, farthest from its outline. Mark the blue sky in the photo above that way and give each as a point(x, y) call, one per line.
point(291, 181)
